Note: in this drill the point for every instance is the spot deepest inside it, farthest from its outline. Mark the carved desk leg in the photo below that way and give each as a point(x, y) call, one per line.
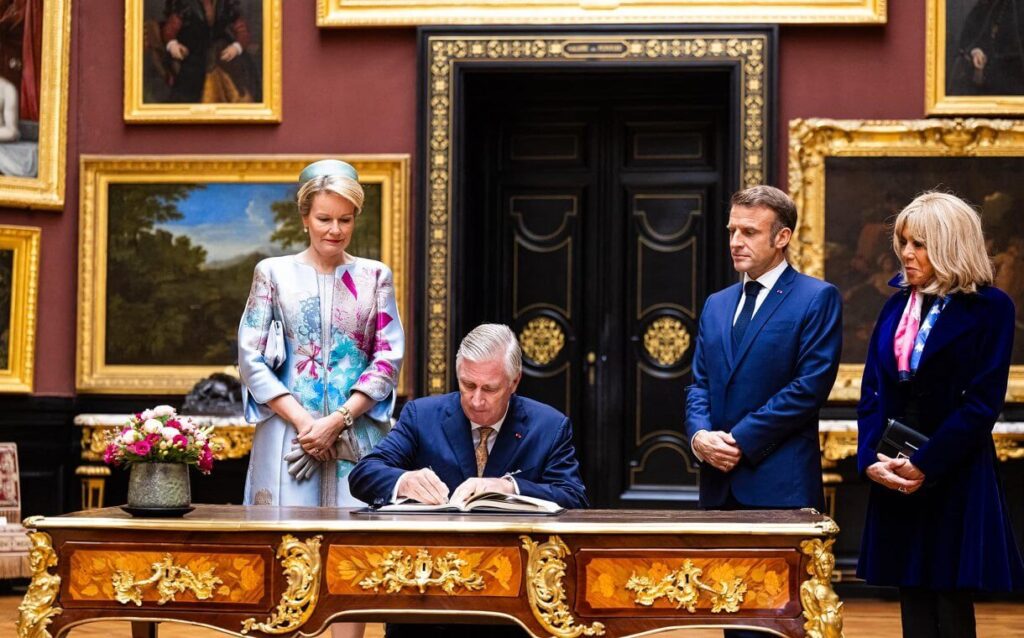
point(822, 607)
point(38, 608)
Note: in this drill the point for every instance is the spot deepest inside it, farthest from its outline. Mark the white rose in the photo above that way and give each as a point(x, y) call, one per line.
point(128, 437)
point(169, 433)
point(146, 415)
point(187, 426)
point(152, 426)
point(163, 410)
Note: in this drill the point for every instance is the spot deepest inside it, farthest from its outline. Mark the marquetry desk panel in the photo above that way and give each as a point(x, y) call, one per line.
point(265, 571)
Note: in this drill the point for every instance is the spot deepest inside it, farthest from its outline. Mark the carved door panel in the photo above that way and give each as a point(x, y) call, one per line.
point(593, 241)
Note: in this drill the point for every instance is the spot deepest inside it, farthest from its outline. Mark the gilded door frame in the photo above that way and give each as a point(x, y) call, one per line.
point(444, 53)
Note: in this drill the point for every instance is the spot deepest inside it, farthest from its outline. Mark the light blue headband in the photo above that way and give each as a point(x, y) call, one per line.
point(328, 167)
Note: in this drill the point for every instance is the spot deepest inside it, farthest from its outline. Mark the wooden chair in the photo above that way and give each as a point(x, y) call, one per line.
point(14, 544)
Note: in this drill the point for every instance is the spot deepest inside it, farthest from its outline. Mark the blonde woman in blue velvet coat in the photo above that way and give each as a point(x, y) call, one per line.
point(937, 524)
point(330, 400)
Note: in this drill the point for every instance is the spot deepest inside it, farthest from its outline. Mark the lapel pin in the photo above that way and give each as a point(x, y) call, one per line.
point(779, 291)
point(519, 435)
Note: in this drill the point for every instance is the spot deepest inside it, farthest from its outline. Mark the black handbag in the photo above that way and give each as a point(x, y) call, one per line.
point(900, 440)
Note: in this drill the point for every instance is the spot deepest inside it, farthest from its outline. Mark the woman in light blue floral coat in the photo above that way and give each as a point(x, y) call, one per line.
point(329, 400)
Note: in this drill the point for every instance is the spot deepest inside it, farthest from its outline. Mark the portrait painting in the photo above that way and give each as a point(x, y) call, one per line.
point(202, 60)
point(975, 57)
point(34, 37)
point(174, 257)
point(19, 277)
point(854, 178)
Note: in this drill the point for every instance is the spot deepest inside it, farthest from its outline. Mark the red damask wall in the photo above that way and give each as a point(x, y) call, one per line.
point(351, 91)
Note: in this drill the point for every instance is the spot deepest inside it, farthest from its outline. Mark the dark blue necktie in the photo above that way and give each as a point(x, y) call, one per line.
point(750, 289)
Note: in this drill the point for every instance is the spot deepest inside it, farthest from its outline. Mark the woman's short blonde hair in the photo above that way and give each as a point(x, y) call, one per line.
point(951, 231)
point(341, 185)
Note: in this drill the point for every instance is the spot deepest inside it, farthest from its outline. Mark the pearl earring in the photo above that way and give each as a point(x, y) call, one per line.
point(305, 229)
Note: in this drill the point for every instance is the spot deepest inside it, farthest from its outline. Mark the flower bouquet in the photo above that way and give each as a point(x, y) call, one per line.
point(158, 446)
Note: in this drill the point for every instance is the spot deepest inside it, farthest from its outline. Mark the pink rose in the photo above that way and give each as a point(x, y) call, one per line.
point(153, 439)
point(180, 441)
point(173, 423)
point(142, 448)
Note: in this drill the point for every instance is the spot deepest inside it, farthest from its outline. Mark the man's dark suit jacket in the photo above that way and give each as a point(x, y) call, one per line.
point(767, 391)
point(535, 442)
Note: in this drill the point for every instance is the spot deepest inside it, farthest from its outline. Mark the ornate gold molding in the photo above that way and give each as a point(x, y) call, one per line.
point(38, 608)
point(1008, 448)
point(545, 570)
point(375, 13)
point(813, 141)
point(23, 243)
point(46, 188)
point(542, 339)
point(445, 54)
point(667, 340)
point(170, 580)
point(398, 570)
point(821, 606)
point(683, 587)
point(301, 564)
point(836, 446)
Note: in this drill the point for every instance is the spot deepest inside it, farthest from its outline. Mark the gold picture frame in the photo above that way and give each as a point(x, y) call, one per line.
point(96, 372)
point(138, 59)
point(927, 146)
point(377, 13)
point(46, 188)
point(952, 85)
point(19, 283)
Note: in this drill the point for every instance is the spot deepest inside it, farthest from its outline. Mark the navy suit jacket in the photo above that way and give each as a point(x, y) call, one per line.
point(535, 441)
point(767, 391)
point(954, 532)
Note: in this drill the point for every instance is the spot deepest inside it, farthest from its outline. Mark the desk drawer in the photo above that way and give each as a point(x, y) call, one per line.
point(156, 575)
point(691, 583)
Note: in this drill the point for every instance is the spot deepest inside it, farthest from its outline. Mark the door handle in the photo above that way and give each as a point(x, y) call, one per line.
point(591, 367)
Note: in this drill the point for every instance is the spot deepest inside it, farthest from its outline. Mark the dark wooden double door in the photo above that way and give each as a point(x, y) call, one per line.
point(594, 226)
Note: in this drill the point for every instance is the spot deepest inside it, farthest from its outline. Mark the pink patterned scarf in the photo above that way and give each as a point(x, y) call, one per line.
point(906, 333)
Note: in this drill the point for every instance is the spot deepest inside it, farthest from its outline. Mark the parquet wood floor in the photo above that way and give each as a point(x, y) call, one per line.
point(864, 619)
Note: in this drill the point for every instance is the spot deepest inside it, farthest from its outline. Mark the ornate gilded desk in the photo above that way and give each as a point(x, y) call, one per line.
point(266, 571)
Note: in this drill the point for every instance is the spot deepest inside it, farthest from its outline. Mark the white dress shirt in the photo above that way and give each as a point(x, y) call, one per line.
point(767, 281)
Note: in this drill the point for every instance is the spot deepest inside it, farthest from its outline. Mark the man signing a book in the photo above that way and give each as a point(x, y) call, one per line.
point(482, 438)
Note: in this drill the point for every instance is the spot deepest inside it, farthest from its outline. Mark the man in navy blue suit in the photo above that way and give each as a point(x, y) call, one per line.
point(479, 439)
point(482, 438)
point(766, 358)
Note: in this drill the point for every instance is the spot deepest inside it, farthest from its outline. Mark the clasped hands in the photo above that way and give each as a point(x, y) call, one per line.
point(717, 449)
point(316, 443)
point(896, 474)
point(425, 486)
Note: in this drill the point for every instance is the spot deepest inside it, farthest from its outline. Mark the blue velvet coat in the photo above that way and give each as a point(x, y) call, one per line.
point(954, 532)
point(535, 442)
point(767, 391)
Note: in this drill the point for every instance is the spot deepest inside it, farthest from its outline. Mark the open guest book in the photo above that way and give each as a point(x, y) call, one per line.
point(489, 502)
